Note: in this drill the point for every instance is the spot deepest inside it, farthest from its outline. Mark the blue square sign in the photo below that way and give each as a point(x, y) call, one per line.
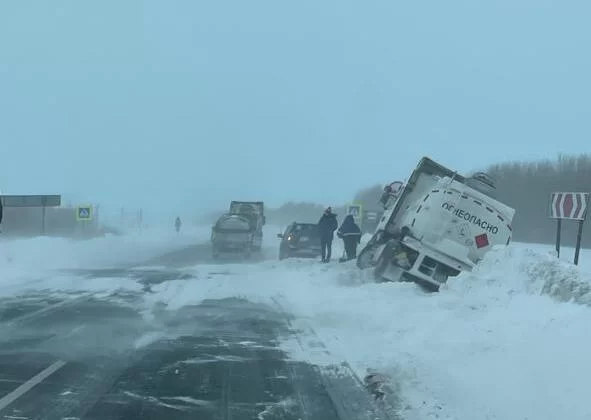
point(84, 213)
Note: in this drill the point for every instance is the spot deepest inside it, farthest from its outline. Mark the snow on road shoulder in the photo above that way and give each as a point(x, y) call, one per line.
point(28, 262)
point(541, 273)
point(51, 252)
point(489, 346)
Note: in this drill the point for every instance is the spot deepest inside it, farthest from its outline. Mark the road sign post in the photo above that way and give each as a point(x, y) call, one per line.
point(569, 206)
point(578, 246)
point(84, 215)
point(42, 201)
point(43, 215)
point(558, 229)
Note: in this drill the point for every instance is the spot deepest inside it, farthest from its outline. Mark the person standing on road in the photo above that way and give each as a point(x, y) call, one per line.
point(350, 233)
point(177, 224)
point(326, 227)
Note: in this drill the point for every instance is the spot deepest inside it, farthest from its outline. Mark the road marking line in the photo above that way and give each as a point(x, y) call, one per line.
point(35, 314)
point(27, 386)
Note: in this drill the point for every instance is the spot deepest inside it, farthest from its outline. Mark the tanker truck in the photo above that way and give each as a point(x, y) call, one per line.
point(436, 225)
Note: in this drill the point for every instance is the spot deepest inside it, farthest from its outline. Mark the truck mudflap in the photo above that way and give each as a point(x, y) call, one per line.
point(217, 251)
point(257, 242)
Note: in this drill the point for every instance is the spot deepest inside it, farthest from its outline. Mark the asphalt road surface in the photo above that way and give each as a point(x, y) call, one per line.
point(83, 357)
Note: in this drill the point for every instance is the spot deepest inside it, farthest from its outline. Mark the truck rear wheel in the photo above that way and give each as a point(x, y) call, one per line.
point(215, 252)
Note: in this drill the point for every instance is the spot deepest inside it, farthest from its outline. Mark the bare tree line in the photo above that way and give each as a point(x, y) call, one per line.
point(526, 186)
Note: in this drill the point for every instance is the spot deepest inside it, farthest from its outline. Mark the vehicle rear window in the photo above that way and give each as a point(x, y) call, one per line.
point(305, 229)
point(233, 223)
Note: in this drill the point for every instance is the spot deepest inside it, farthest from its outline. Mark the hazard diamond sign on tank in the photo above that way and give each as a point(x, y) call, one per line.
point(481, 240)
point(568, 205)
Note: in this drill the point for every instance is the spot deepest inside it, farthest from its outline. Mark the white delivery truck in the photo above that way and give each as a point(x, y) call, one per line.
point(440, 224)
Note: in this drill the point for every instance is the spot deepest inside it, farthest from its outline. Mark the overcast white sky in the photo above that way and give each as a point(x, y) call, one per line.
point(189, 104)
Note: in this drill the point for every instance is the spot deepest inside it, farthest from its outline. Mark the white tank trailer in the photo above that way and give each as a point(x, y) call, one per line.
point(440, 224)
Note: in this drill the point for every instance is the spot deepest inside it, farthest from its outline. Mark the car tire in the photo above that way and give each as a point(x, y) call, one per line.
point(283, 255)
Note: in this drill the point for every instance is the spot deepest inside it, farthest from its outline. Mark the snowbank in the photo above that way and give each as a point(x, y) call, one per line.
point(43, 253)
point(47, 253)
point(26, 263)
point(541, 273)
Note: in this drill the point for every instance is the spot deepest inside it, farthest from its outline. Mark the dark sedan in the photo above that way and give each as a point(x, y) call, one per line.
point(299, 240)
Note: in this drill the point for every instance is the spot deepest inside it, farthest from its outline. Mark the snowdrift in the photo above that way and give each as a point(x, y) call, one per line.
point(26, 263)
point(44, 253)
point(528, 269)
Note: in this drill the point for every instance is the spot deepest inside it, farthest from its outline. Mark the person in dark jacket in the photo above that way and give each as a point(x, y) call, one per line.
point(326, 227)
point(350, 233)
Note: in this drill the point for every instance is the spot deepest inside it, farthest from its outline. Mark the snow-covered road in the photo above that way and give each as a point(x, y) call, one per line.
point(504, 342)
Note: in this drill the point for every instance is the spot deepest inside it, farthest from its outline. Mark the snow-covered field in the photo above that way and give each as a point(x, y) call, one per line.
point(51, 253)
point(30, 262)
point(508, 341)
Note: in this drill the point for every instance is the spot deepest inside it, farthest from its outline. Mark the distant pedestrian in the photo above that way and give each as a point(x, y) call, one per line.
point(350, 233)
point(177, 224)
point(326, 227)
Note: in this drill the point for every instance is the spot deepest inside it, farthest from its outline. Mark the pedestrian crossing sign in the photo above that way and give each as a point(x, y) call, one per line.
point(84, 213)
point(355, 211)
